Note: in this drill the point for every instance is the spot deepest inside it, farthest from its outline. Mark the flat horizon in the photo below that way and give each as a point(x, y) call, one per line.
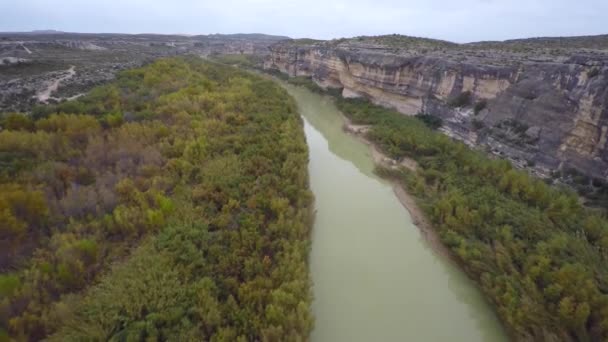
point(55, 31)
point(461, 22)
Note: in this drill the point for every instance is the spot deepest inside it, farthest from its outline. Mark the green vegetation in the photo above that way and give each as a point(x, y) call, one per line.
point(480, 105)
point(304, 41)
point(593, 73)
point(593, 190)
point(536, 252)
point(277, 74)
point(461, 100)
point(171, 204)
point(308, 83)
point(240, 60)
point(400, 41)
point(598, 42)
point(477, 124)
point(432, 121)
point(513, 132)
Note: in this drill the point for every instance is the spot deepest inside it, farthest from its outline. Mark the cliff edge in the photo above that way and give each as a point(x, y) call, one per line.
point(542, 103)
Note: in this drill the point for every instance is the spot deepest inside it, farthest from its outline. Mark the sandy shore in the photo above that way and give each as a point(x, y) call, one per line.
point(407, 200)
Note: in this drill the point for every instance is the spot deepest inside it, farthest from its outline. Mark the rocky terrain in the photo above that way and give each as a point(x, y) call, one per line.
point(543, 103)
point(42, 67)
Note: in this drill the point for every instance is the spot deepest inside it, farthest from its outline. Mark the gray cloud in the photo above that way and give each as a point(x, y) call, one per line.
point(463, 20)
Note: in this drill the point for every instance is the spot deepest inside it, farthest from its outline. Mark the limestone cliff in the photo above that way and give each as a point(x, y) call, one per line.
point(540, 102)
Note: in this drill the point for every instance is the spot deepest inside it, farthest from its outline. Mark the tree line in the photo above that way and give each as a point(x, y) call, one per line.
point(170, 204)
point(535, 251)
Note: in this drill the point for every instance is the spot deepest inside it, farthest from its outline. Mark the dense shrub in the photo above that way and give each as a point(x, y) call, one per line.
point(479, 106)
point(16, 122)
point(461, 100)
point(190, 177)
point(306, 82)
point(432, 121)
point(477, 124)
point(537, 253)
point(240, 60)
point(593, 73)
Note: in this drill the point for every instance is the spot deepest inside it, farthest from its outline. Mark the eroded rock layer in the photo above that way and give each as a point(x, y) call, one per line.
point(541, 103)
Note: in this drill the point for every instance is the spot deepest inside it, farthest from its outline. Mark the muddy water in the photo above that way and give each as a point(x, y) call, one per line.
point(375, 279)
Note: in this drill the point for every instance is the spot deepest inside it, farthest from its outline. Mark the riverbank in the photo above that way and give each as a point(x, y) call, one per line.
point(368, 260)
point(406, 199)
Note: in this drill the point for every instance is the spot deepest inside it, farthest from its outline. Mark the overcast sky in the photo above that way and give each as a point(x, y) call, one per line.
point(455, 20)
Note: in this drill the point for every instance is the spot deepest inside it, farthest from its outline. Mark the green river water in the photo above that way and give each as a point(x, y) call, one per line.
point(375, 278)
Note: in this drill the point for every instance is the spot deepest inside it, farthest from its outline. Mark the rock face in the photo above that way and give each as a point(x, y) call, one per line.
point(541, 102)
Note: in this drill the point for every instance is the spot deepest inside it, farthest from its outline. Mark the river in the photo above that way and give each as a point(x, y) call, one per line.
point(375, 278)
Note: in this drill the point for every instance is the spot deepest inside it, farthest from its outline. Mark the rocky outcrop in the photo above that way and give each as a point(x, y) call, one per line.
point(541, 106)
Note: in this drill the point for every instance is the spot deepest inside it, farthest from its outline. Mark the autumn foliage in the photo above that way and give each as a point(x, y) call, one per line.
point(536, 252)
point(171, 204)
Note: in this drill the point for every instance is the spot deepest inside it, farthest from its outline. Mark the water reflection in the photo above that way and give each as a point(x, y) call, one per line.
point(321, 113)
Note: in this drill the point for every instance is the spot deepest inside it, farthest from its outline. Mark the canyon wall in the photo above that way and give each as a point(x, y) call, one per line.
point(543, 109)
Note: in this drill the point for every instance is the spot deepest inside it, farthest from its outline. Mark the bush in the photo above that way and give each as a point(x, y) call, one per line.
point(307, 83)
point(277, 74)
point(17, 122)
point(9, 283)
point(593, 73)
point(461, 100)
point(431, 121)
point(477, 124)
point(240, 60)
point(480, 105)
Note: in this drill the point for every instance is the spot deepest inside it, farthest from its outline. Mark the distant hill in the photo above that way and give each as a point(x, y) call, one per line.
point(249, 36)
point(46, 32)
point(398, 41)
point(35, 32)
point(241, 36)
point(574, 42)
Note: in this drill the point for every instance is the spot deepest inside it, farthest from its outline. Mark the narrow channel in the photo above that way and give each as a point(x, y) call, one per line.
point(375, 278)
